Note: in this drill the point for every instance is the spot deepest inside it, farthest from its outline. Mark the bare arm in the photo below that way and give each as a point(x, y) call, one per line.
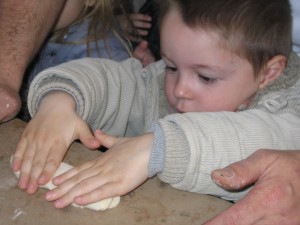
point(24, 25)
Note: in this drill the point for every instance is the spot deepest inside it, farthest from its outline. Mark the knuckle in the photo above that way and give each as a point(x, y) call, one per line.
point(53, 161)
point(277, 195)
point(76, 179)
point(37, 164)
point(83, 184)
point(229, 221)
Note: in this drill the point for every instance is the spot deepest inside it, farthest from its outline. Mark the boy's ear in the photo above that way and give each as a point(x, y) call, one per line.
point(273, 70)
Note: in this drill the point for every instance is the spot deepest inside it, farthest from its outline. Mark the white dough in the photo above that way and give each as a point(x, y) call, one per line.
point(101, 205)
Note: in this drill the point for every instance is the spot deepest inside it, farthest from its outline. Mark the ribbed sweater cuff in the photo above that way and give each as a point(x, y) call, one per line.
point(41, 87)
point(157, 157)
point(177, 153)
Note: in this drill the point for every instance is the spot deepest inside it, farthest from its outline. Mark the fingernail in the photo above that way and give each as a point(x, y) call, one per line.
point(49, 196)
point(58, 203)
point(31, 188)
point(226, 172)
point(56, 181)
point(22, 184)
point(41, 180)
point(14, 166)
point(97, 132)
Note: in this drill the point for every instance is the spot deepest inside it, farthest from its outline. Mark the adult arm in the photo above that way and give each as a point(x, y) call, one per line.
point(275, 196)
point(24, 25)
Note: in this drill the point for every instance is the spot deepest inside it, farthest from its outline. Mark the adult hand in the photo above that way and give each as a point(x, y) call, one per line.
point(122, 168)
point(275, 197)
point(10, 102)
point(46, 140)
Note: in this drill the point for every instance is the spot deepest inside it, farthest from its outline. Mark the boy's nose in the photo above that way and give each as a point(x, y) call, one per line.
point(181, 89)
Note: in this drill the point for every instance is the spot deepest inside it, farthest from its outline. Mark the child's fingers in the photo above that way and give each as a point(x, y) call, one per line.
point(67, 199)
point(69, 179)
point(36, 170)
point(105, 139)
point(142, 32)
point(103, 192)
point(25, 169)
point(78, 185)
point(141, 24)
point(141, 21)
point(70, 173)
point(140, 16)
point(54, 158)
point(18, 155)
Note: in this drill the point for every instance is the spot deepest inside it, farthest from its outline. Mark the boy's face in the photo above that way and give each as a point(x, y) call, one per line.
point(200, 75)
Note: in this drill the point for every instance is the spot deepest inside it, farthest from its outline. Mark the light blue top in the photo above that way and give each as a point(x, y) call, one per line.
point(296, 25)
point(52, 54)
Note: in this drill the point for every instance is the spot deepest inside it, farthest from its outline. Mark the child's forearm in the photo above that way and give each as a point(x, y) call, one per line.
point(197, 143)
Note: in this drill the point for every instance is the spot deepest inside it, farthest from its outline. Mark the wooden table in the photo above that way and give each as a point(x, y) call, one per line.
point(153, 203)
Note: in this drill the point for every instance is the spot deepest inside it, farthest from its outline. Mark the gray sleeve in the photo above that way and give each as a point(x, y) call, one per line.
point(197, 143)
point(109, 95)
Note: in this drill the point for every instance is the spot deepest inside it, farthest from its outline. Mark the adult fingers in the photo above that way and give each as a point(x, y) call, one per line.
point(242, 173)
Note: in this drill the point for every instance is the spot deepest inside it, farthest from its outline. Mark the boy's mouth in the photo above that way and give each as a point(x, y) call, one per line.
point(173, 109)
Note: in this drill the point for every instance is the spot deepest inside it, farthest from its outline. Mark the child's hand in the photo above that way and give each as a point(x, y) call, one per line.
point(143, 53)
point(46, 139)
point(140, 22)
point(116, 172)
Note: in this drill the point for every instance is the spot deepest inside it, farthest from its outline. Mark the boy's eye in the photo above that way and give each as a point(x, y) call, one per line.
point(171, 68)
point(207, 80)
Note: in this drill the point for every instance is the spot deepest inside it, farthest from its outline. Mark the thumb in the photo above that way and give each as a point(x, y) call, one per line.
point(105, 139)
point(87, 139)
point(143, 45)
point(240, 174)
point(140, 49)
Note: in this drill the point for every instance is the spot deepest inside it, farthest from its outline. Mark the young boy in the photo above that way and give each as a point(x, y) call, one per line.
point(225, 91)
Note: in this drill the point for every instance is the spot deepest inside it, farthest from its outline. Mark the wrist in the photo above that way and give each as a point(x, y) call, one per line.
point(57, 99)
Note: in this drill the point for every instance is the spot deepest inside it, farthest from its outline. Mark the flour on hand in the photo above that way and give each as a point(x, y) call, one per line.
point(98, 206)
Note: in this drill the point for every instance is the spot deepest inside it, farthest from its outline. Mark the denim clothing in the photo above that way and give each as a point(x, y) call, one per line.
point(52, 54)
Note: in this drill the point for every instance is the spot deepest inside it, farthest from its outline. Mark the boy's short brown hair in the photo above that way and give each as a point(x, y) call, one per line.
point(254, 29)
